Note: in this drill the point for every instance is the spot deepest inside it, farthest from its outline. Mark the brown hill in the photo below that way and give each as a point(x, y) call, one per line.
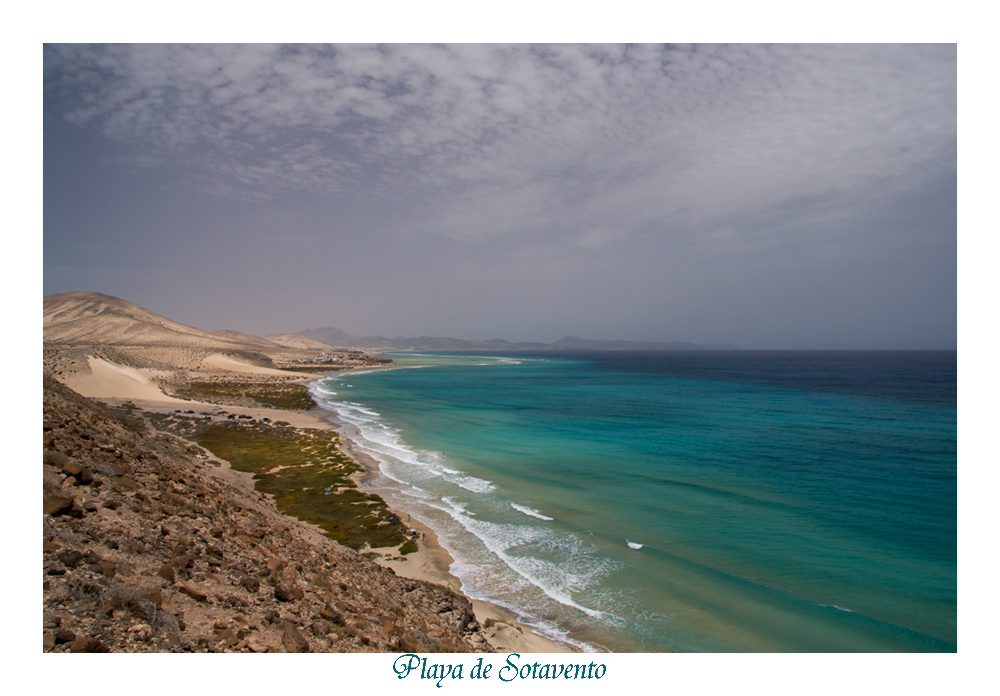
point(248, 339)
point(90, 318)
point(299, 341)
point(104, 346)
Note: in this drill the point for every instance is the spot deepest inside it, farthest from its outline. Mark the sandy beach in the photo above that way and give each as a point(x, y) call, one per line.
point(116, 384)
point(431, 563)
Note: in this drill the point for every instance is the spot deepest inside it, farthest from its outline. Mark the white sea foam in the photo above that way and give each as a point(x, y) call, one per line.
point(555, 580)
point(458, 506)
point(496, 561)
point(531, 512)
point(471, 483)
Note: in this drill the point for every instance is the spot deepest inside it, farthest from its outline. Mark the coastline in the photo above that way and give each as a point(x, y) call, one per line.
point(431, 563)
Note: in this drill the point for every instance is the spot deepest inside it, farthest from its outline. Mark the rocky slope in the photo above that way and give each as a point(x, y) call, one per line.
point(151, 545)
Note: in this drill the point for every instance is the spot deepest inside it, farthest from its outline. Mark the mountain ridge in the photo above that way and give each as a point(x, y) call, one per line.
point(334, 336)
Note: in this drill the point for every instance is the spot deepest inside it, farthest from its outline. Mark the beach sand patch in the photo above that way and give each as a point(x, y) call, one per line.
point(107, 380)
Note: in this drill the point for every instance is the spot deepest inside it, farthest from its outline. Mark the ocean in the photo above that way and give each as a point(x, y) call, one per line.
point(680, 501)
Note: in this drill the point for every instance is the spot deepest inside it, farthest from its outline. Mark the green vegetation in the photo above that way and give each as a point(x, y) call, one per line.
point(309, 478)
point(291, 396)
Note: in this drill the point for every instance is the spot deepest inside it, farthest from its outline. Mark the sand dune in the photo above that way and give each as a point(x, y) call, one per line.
point(90, 317)
point(106, 347)
point(299, 341)
point(219, 361)
point(117, 381)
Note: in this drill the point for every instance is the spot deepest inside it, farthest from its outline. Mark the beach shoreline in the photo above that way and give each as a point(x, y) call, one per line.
point(431, 563)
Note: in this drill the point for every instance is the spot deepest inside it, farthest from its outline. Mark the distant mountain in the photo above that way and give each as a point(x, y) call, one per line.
point(335, 337)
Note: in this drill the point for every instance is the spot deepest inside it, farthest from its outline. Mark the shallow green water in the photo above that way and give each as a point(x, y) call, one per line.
point(784, 501)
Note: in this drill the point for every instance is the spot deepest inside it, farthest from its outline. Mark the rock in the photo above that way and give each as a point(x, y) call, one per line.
point(63, 636)
point(251, 583)
point(86, 644)
point(70, 558)
point(226, 637)
point(110, 470)
point(154, 596)
point(256, 644)
point(141, 631)
point(331, 614)
point(283, 593)
point(193, 593)
point(166, 572)
point(56, 504)
point(72, 468)
point(292, 640)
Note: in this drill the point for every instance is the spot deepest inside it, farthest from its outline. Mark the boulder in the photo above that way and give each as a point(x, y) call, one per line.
point(56, 504)
point(86, 644)
point(167, 573)
point(292, 640)
point(70, 558)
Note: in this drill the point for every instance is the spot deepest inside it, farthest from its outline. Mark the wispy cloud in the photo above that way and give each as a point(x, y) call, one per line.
point(749, 183)
point(574, 140)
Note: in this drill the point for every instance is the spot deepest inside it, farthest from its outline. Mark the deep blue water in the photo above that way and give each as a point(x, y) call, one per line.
point(784, 500)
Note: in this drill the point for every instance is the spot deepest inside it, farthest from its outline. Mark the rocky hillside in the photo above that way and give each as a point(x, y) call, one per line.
point(151, 545)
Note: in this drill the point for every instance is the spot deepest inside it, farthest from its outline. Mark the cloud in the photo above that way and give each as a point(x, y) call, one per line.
point(584, 144)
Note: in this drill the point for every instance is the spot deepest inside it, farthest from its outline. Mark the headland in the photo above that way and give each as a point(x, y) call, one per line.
point(194, 500)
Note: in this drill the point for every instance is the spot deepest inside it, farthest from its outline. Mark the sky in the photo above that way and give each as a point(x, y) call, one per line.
point(767, 196)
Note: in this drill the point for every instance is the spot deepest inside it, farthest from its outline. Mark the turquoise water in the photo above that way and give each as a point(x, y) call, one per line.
point(783, 501)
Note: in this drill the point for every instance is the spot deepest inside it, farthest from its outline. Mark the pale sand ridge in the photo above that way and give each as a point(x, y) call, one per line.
point(117, 381)
point(219, 361)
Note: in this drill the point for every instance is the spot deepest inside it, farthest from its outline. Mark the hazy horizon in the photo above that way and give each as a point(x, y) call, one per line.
point(781, 196)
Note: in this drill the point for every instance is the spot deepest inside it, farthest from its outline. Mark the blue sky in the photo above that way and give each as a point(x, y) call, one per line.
point(770, 196)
